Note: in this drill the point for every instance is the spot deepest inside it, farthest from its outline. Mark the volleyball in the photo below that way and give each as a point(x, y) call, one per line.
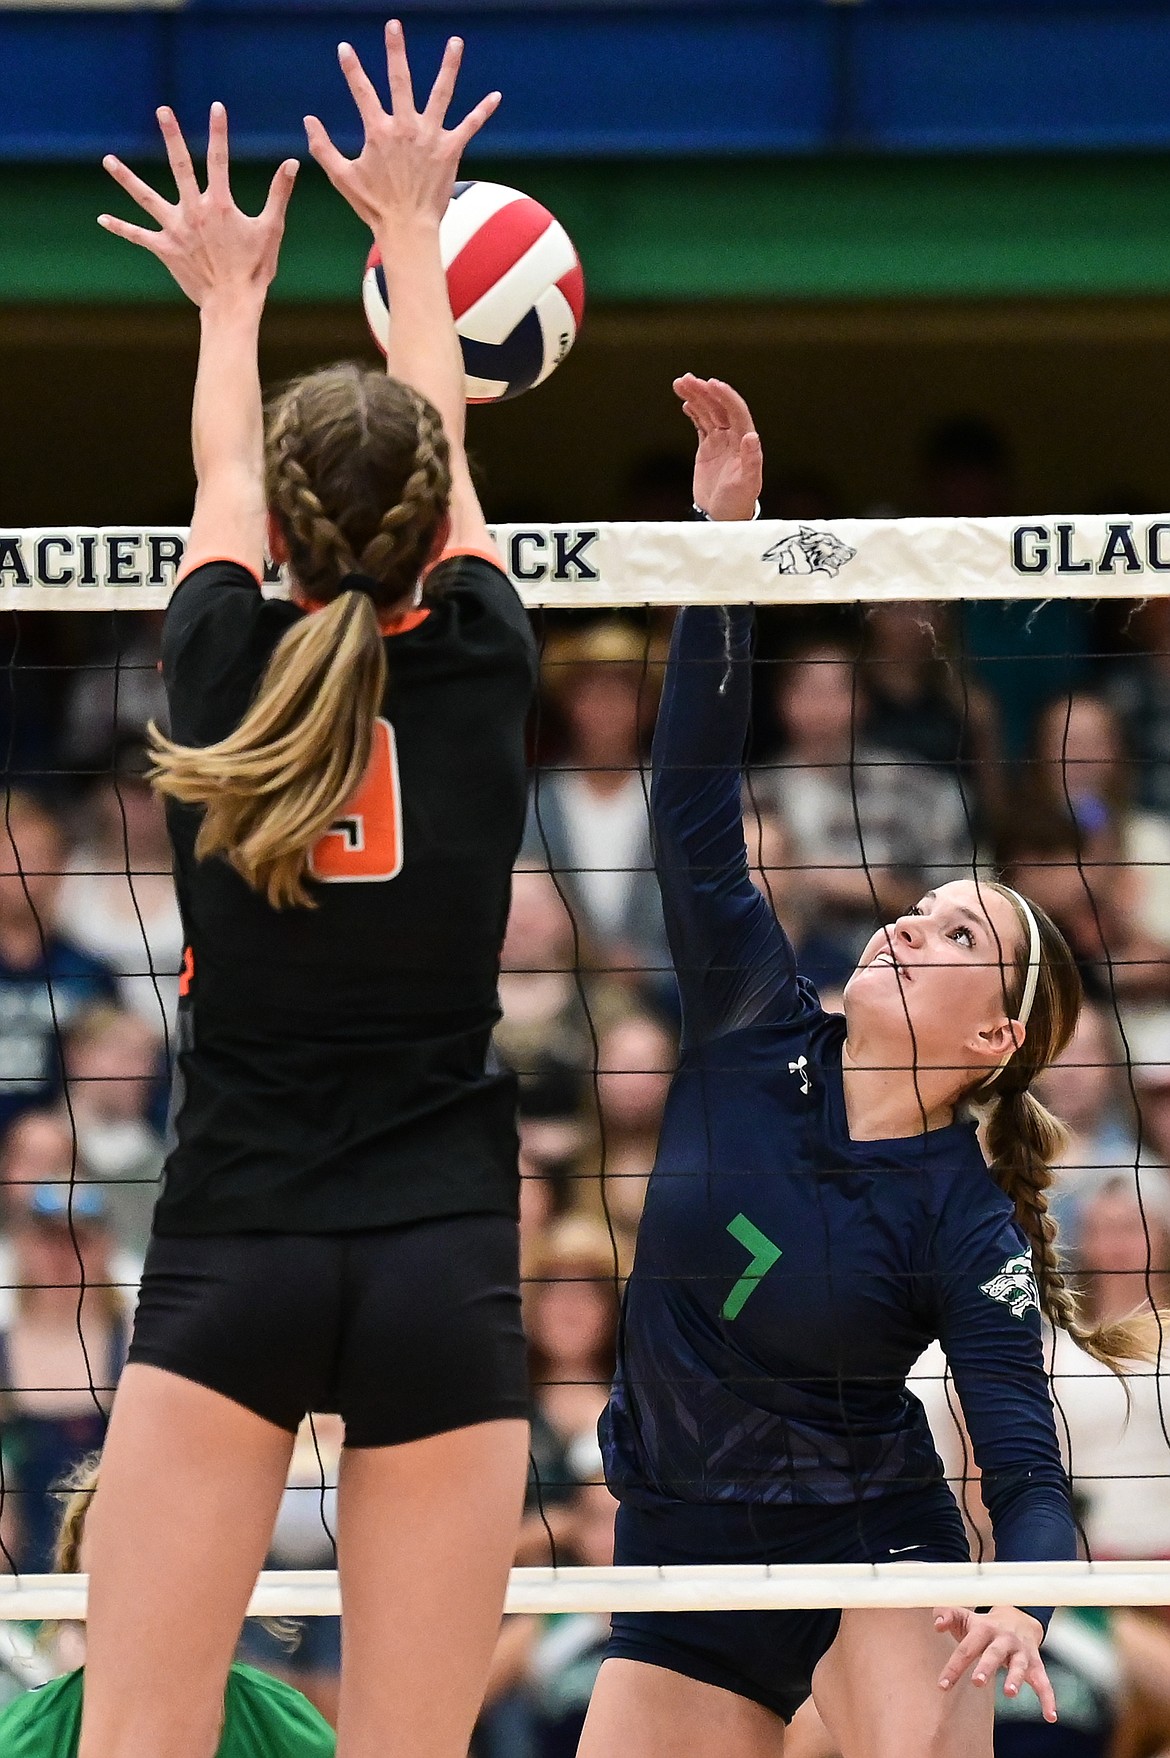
point(516, 285)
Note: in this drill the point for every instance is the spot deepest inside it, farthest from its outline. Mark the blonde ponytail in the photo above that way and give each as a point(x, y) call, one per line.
point(273, 787)
point(1023, 1139)
point(358, 481)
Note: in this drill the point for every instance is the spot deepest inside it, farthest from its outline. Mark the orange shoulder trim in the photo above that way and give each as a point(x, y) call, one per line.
point(398, 622)
point(404, 621)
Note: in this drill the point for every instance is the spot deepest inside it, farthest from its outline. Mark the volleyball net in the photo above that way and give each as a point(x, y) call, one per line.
point(932, 698)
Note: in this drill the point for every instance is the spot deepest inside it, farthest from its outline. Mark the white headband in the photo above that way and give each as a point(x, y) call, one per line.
point(1024, 1012)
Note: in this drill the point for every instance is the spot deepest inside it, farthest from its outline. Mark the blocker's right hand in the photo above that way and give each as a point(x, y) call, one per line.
point(207, 243)
point(409, 159)
point(729, 463)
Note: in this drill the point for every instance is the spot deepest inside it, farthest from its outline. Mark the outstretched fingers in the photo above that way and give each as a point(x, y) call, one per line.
point(148, 199)
point(218, 183)
point(443, 89)
point(321, 147)
point(178, 154)
point(279, 193)
point(398, 71)
point(361, 86)
point(152, 241)
point(475, 119)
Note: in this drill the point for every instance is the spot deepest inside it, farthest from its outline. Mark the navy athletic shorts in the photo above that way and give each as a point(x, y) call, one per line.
point(403, 1331)
point(769, 1657)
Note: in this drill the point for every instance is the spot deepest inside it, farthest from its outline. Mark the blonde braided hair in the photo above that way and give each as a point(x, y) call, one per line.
point(358, 480)
point(1023, 1138)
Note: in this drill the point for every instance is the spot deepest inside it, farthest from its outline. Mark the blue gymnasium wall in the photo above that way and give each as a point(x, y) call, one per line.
point(599, 78)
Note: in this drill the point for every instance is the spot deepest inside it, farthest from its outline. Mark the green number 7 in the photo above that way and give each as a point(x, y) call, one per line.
point(764, 1255)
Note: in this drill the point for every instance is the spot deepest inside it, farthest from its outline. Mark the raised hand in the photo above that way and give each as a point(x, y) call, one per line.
point(207, 243)
point(1005, 1637)
point(409, 159)
point(729, 464)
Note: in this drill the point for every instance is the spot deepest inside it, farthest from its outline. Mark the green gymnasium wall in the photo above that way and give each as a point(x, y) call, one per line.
point(667, 232)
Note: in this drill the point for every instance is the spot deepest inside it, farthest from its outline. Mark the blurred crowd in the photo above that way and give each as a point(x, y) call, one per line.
point(891, 748)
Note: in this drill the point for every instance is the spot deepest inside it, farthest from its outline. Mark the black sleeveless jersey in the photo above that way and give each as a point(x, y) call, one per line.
point(334, 1064)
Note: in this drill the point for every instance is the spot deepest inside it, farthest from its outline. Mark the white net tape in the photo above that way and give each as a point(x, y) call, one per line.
point(773, 562)
point(699, 1587)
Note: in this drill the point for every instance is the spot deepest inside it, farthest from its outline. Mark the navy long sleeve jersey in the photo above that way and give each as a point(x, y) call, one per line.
point(787, 1277)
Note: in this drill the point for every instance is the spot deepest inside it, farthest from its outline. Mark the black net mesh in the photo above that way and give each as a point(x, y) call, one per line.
point(890, 750)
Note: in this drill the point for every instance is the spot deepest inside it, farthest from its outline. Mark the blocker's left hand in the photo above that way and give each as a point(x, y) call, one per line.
point(1004, 1637)
point(729, 464)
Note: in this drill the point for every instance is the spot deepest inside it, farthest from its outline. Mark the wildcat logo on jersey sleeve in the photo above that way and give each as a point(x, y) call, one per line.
point(1015, 1286)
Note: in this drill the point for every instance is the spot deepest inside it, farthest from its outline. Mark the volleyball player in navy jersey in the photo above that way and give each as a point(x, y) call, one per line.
point(346, 787)
point(820, 1210)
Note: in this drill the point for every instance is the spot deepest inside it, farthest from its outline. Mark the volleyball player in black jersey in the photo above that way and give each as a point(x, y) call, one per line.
point(820, 1210)
point(345, 777)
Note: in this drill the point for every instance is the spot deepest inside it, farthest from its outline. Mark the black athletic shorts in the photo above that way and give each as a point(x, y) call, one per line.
point(769, 1657)
point(402, 1331)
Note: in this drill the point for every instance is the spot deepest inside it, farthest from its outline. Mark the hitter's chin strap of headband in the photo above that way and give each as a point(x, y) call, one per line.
point(1024, 1011)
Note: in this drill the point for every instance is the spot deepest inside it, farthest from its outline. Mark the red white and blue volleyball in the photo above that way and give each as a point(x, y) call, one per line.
point(516, 286)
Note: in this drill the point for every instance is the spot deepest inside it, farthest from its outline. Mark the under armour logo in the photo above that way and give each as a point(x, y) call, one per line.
point(800, 1067)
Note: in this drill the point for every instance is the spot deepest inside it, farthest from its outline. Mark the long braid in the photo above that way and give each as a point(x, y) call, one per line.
point(401, 544)
point(1023, 1139)
point(321, 552)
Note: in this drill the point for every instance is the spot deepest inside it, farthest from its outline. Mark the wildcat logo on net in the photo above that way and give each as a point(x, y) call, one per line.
point(1014, 1285)
point(810, 552)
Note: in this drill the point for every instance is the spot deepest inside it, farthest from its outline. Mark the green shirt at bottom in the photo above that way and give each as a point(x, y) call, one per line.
point(263, 1718)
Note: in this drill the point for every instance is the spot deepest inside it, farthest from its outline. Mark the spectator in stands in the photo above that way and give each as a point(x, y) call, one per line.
point(1118, 1452)
point(544, 1033)
point(114, 697)
point(38, 1147)
point(1088, 1090)
point(60, 1354)
point(1080, 768)
point(111, 1063)
point(118, 899)
point(1139, 689)
point(45, 980)
point(571, 1315)
point(589, 819)
point(826, 960)
point(1149, 1055)
point(830, 781)
point(921, 701)
point(1080, 878)
point(1025, 651)
point(636, 1058)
